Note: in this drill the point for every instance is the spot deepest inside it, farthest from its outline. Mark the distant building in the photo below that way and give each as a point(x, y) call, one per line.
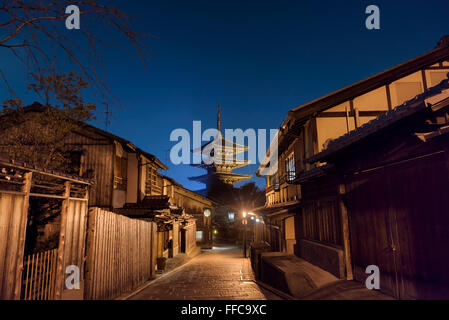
point(220, 171)
point(220, 178)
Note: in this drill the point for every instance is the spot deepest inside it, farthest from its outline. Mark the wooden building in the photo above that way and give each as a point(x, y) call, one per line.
point(127, 180)
point(310, 221)
point(122, 172)
point(200, 208)
point(390, 179)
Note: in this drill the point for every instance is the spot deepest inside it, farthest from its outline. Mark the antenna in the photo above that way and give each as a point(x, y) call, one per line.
point(219, 118)
point(108, 114)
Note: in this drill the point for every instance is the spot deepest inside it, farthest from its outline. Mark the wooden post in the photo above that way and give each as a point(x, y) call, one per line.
point(356, 117)
point(22, 234)
point(90, 254)
point(60, 270)
point(345, 232)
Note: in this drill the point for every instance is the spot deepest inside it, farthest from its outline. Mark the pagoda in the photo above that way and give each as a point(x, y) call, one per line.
point(219, 159)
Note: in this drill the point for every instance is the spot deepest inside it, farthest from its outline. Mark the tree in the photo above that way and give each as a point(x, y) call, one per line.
point(37, 134)
point(34, 31)
point(248, 196)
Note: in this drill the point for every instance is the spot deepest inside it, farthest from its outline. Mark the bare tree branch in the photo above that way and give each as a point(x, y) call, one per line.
point(35, 33)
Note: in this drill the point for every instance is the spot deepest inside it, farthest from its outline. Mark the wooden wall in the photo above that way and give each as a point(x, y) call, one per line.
point(119, 254)
point(321, 222)
point(72, 249)
point(190, 237)
point(97, 163)
point(13, 219)
point(399, 221)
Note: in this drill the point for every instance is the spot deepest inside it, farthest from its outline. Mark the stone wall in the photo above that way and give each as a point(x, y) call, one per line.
point(326, 257)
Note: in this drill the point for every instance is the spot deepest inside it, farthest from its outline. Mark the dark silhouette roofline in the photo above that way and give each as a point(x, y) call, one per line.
point(38, 107)
point(440, 53)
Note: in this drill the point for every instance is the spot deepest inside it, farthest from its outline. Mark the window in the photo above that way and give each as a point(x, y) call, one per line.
point(120, 173)
point(75, 166)
point(154, 182)
point(231, 216)
point(274, 181)
point(290, 167)
point(199, 235)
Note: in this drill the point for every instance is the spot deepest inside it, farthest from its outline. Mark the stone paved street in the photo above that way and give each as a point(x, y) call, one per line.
point(221, 273)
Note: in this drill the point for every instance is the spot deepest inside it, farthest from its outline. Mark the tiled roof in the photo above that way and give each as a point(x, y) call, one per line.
point(285, 206)
point(313, 173)
point(155, 202)
point(28, 166)
point(420, 102)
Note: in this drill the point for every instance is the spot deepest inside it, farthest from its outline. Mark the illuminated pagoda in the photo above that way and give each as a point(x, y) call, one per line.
point(219, 161)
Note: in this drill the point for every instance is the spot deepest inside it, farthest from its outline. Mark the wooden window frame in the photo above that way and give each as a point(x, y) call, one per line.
point(120, 173)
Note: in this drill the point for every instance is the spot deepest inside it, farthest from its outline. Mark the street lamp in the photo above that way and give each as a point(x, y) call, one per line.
point(207, 216)
point(244, 221)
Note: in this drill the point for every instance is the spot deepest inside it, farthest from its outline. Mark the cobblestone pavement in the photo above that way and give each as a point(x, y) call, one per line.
point(220, 273)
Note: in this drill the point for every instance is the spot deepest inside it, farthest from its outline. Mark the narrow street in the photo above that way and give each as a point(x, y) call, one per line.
point(217, 274)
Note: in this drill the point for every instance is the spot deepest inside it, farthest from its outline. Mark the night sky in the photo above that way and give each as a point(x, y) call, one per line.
point(259, 59)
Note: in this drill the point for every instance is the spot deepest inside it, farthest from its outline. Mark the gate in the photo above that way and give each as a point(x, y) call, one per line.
point(40, 272)
point(39, 275)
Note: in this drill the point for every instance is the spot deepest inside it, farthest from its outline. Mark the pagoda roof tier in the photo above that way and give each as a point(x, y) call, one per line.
point(233, 177)
point(233, 165)
point(220, 143)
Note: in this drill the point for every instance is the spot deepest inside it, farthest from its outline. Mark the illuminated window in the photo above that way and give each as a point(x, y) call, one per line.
point(274, 181)
point(231, 216)
point(199, 235)
point(290, 167)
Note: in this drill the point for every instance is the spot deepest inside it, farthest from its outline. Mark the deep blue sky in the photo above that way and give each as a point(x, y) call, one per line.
point(258, 58)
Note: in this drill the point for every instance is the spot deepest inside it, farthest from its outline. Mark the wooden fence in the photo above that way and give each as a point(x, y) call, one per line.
point(39, 275)
point(13, 217)
point(119, 254)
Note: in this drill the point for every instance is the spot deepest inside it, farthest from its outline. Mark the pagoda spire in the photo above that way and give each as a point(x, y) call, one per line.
point(219, 118)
